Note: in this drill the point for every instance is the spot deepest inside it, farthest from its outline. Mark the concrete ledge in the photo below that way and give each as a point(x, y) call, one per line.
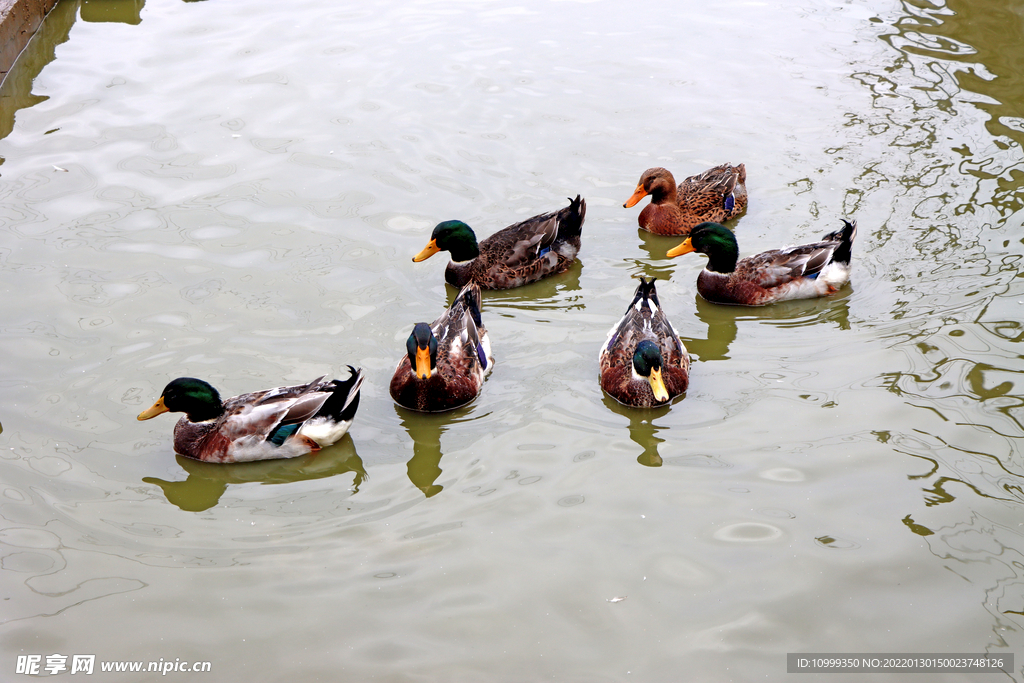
point(19, 20)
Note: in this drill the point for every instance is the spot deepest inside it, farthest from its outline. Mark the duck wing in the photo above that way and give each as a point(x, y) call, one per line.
point(526, 241)
point(667, 339)
point(625, 334)
point(519, 244)
point(776, 267)
point(644, 319)
point(460, 333)
point(259, 414)
point(715, 192)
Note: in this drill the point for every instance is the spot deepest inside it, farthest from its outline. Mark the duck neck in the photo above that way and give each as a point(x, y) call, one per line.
point(462, 246)
point(202, 413)
point(664, 193)
point(463, 252)
point(723, 258)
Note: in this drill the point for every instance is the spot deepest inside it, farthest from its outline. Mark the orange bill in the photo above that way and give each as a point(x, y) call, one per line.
point(422, 363)
point(685, 248)
point(658, 385)
point(639, 194)
point(427, 251)
point(153, 410)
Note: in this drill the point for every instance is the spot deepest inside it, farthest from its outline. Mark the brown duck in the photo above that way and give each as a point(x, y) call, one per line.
point(446, 361)
point(517, 255)
point(285, 422)
point(805, 271)
point(643, 361)
point(718, 194)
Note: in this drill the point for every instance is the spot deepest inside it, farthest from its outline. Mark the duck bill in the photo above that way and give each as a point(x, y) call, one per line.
point(639, 194)
point(685, 248)
point(154, 410)
point(427, 251)
point(658, 386)
point(422, 363)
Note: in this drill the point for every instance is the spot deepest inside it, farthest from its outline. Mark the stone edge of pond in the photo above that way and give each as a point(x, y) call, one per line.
point(19, 20)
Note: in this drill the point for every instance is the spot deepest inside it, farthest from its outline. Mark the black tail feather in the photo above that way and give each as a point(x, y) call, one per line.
point(845, 237)
point(571, 224)
point(344, 400)
point(646, 291)
point(471, 299)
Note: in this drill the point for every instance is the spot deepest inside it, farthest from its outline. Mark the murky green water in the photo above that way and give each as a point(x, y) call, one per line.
point(244, 187)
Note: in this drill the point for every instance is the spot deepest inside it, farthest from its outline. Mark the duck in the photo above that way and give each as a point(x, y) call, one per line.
point(446, 361)
point(717, 194)
point(284, 422)
point(517, 255)
point(805, 271)
point(643, 361)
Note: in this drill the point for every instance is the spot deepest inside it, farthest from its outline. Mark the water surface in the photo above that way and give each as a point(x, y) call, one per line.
point(235, 190)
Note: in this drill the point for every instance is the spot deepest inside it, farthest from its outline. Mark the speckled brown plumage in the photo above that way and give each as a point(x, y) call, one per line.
point(718, 194)
point(643, 320)
point(463, 358)
point(283, 422)
point(522, 253)
point(800, 272)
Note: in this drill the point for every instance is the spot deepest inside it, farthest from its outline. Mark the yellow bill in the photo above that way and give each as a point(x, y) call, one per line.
point(422, 363)
point(427, 251)
point(154, 410)
point(658, 385)
point(685, 248)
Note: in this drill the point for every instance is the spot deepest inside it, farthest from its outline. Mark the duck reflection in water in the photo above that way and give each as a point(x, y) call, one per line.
point(722, 320)
point(113, 11)
point(642, 429)
point(562, 292)
point(207, 482)
point(656, 264)
point(425, 430)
